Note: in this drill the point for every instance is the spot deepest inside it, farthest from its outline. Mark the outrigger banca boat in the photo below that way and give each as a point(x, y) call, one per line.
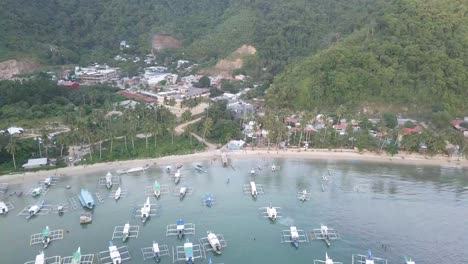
point(188, 250)
point(114, 254)
point(294, 236)
point(252, 172)
point(48, 181)
point(3, 208)
point(253, 189)
point(35, 208)
point(214, 242)
point(40, 259)
point(200, 168)
point(126, 232)
point(208, 199)
point(156, 252)
point(157, 189)
point(76, 258)
point(117, 193)
point(369, 258)
point(146, 210)
point(271, 212)
point(177, 177)
point(36, 191)
point(109, 180)
point(182, 192)
point(324, 231)
point(409, 261)
point(303, 196)
point(46, 236)
point(180, 227)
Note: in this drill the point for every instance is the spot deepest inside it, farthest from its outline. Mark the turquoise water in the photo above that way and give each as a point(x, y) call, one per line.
point(415, 211)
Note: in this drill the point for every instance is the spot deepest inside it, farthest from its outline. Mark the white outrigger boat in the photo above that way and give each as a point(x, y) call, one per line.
point(271, 213)
point(214, 242)
point(294, 236)
point(76, 258)
point(146, 210)
point(3, 208)
point(409, 261)
point(324, 231)
point(125, 232)
point(48, 181)
point(252, 172)
point(40, 259)
point(182, 192)
point(188, 250)
point(34, 209)
point(156, 252)
point(274, 168)
point(177, 177)
point(303, 196)
point(46, 236)
point(114, 254)
point(36, 191)
point(369, 258)
point(109, 180)
point(157, 189)
point(253, 189)
point(118, 193)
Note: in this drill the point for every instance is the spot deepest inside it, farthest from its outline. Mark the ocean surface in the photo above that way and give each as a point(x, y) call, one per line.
point(395, 210)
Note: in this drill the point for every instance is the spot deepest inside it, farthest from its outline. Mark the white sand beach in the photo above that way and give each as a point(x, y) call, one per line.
point(215, 155)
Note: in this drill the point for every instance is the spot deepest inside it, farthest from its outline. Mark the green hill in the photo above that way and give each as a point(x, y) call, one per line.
point(413, 54)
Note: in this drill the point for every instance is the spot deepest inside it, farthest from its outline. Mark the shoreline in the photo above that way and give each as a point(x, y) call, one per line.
point(215, 155)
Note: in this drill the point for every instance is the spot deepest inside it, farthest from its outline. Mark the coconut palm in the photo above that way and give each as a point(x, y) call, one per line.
point(11, 148)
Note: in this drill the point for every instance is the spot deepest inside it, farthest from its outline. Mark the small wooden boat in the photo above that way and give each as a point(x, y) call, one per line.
point(214, 242)
point(117, 193)
point(294, 236)
point(126, 231)
point(86, 218)
point(3, 208)
point(156, 252)
point(34, 209)
point(109, 180)
point(157, 189)
point(146, 210)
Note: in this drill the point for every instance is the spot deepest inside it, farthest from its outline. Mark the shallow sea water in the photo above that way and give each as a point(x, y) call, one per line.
point(416, 211)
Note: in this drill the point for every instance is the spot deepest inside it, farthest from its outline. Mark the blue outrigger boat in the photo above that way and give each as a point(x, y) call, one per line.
point(188, 250)
point(180, 225)
point(86, 199)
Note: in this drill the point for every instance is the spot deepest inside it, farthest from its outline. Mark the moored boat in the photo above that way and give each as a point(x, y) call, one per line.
point(114, 254)
point(126, 231)
point(36, 191)
point(46, 236)
point(180, 226)
point(303, 196)
point(369, 258)
point(146, 210)
point(76, 258)
point(182, 192)
point(328, 260)
point(177, 177)
point(324, 232)
point(156, 252)
point(188, 250)
point(271, 212)
point(157, 189)
point(86, 199)
point(109, 180)
point(35, 208)
point(214, 242)
point(117, 193)
point(86, 218)
point(253, 189)
point(3, 208)
point(409, 261)
point(48, 181)
point(199, 168)
point(40, 259)
point(294, 236)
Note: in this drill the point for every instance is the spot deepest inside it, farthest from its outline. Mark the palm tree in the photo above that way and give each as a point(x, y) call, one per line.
point(11, 149)
point(45, 141)
point(207, 126)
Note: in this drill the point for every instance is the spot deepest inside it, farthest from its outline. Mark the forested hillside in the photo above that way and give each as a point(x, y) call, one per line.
point(82, 31)
point(414, 54)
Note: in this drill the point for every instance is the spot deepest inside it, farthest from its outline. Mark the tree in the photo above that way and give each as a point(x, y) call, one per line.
point(207, 126)
point(186, 115)
point(11, 148)
point(389, 120)
point(203, 82)
point(441, 119)
point(409, 124)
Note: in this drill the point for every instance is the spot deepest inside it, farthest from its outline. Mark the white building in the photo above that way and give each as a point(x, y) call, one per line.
point(36, 163)
point(96, 74)
point(15, 130)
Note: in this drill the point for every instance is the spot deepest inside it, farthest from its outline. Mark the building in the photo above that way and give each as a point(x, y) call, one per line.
point(15, 130)
point(36, 163)
point(241, 109)
point(137, 97)
point(96, 74)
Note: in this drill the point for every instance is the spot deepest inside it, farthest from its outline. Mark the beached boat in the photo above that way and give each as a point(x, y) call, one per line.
point(188, 250)
point(46, 236)
point(109, 180)
point(86, 218)
point(114, 254)
point(35, 208)
point(253, 189)
point(146, 210)
point(86, 199)
point(180, 226)
point(294, 236)
point(409, 261)
point(214, 242)
point(271, 212)
point(157, 189)
point(48, 181)
point(369, 258)
point(156, 252)
point(76, 258)
point(126, 232)
point(117, 193)
point(3, 208)
point(36, 191)
point(40, 259)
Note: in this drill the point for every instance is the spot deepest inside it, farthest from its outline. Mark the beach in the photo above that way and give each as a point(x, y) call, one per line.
point(247, 153)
